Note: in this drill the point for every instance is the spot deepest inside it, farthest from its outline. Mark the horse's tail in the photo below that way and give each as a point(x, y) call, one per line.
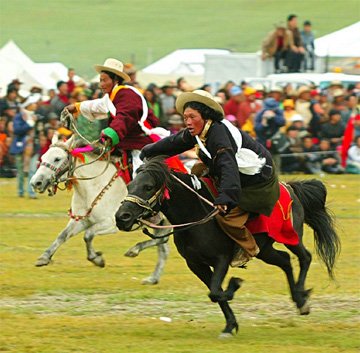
point(312, 195)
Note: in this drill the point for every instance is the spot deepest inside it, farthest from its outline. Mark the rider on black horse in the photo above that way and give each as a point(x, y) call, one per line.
point(242, 168)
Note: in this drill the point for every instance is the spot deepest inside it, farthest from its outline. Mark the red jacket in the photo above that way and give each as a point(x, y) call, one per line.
point(129, 111)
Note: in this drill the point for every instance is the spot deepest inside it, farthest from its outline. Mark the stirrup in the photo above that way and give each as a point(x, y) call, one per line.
point(240, 258)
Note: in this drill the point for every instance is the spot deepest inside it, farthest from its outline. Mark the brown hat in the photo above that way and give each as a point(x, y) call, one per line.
point(303, 89)
point(197, 96)
point(114, 66)
point(168, 84)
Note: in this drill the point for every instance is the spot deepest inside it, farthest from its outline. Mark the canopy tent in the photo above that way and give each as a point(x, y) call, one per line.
point(342, 43)
point(14, 63)
point(183, 62)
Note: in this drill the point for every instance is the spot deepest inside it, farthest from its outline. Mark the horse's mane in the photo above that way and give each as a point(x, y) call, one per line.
point(158, 170)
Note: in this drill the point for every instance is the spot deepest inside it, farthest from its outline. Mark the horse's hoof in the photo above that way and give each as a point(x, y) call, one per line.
point(42, 261)
point(226, 335)
point(132, 252)
point(149, 281)
point(305, 309)
point(98, 261)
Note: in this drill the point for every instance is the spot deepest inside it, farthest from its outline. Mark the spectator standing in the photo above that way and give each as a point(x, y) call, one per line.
point(130, 70)
point(232, 105)
point(247, 107)
point(289, 111)
point(290, 163)
point(167, 100)
point(9, 104)
point(310, 162)
point(267, 124)
point(297, 50)
point(353, 160)
point(338, 103)
point(302, 104)
point(153, 103)
point(70, 82)
point(333, 130)
point(24, 145)
point(276, 45)
point(329, 159)
point(277, 93)
point(61, 100)
point(352, 108)
point(307, 37)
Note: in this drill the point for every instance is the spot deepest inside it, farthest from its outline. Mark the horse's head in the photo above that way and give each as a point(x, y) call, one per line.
point(146, 194)
point(53, 164)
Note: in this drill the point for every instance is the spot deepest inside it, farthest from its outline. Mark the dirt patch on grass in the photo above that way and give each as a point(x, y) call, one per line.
point(280, 307)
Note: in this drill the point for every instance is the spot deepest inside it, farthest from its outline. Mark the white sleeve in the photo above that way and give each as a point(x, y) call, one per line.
point(97, 109)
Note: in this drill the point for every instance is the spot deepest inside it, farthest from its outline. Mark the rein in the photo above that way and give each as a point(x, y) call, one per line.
point(146, 204)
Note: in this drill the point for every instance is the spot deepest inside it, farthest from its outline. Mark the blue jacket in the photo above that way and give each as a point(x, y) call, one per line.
point(21, 127)
point(264, 132)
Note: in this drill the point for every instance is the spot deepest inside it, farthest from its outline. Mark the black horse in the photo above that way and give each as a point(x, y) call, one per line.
point(206, 245)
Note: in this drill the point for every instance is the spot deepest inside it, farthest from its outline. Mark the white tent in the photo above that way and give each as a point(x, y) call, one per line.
point(183, 62)
point(14, 63)
point(342, 43)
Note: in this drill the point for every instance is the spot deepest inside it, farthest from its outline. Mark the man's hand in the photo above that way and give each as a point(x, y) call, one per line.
point(221, 208)
point(71, 108)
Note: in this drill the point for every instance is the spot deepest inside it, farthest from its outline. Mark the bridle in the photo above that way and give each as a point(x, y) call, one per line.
point(69, 166)
point(148, 205)
point(59, 171)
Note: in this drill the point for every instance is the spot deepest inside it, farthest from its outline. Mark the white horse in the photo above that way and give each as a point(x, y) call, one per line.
point(97, 194)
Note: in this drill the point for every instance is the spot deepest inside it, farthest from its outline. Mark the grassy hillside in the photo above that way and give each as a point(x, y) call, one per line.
point(81, 33)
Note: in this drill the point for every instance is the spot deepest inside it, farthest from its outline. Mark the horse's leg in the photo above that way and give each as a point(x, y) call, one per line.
point(220, 270)
point(106, 226)
point(71, 229)
point(278, 258)
point(304, 260)
point(163, 253)
point(204, 273)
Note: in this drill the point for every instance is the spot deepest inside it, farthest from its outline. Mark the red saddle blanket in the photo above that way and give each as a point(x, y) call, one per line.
point(278, 225)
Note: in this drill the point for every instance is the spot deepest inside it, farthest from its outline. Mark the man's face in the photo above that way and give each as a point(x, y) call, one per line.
point(293, 23)
point(193, 121)
point(106, 83)
point(71, 74)
point(324, 145)
point(308, 143)
point(280, 32)
point(307, 28)
point(63, 89)
point(351, 102)
point(335, 118)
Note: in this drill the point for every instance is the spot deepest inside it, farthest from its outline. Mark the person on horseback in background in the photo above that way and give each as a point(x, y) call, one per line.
point(130, 121)
point(242, 168)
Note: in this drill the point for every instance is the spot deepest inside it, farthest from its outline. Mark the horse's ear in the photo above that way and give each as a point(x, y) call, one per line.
point(69, 142)
point(55, 138)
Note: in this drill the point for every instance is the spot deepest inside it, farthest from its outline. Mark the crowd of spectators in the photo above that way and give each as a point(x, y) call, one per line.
point(307, 131)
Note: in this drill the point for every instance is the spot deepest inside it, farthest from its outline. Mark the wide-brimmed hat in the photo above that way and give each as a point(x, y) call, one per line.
point(114, 66)
point(249, 90)
point(277, 89)
point(168, 84)
point(303, 89)
point(336, 83)
point(200, 96)
point(338, 93)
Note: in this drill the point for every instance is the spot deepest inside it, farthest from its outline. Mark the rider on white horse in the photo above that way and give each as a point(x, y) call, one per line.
point(131, 123)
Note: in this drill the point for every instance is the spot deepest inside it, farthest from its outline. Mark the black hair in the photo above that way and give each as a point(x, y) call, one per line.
point(307, 23)
point(205, 111)
point(59, 83)
point(114, 77)
point(11, 88)
point(291, 17)
point(334, 112)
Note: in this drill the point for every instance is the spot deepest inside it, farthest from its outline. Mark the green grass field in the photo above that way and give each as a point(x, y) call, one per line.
point(73, 306)
point(83, 33)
